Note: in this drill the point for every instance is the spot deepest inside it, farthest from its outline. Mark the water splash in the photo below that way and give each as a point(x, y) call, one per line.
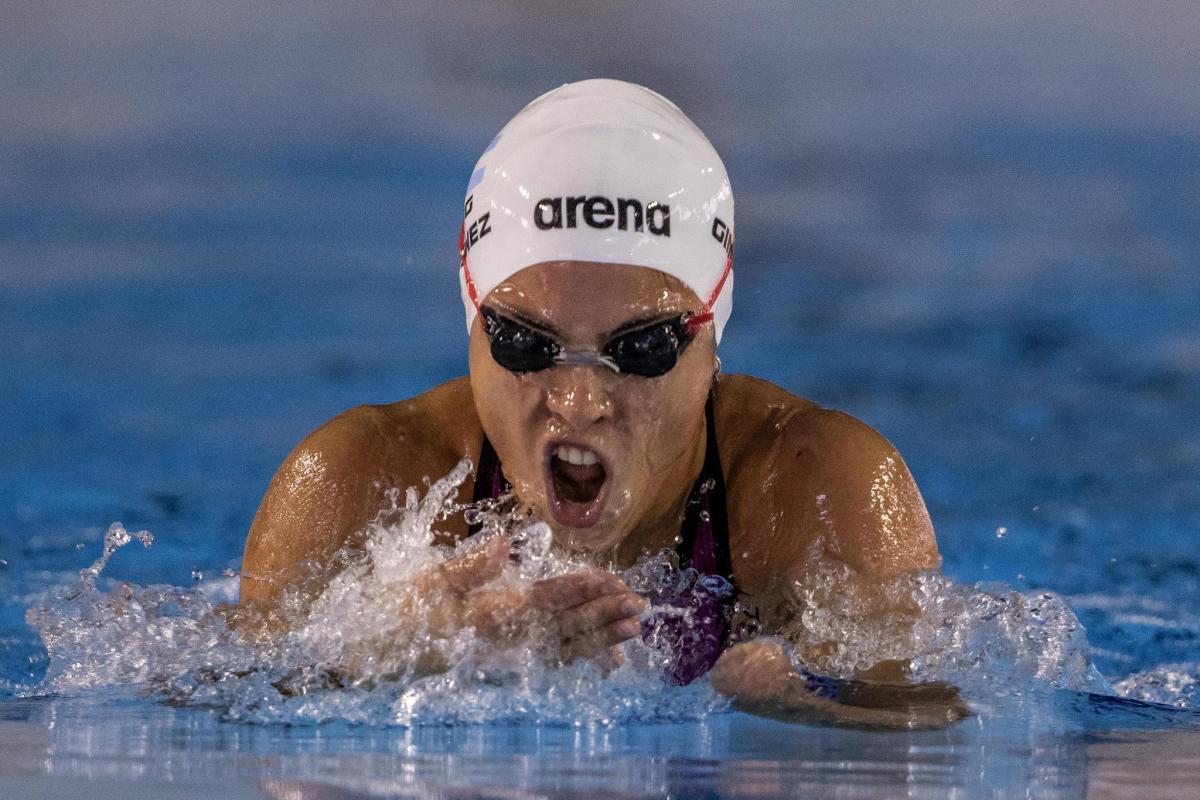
point(368, 647)
point(1175, 685)
point(361, 650)
point(942, 630)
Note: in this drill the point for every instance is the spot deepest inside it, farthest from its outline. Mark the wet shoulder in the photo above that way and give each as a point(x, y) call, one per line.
point(763, 427)
point(799, 475)
point(424, 436)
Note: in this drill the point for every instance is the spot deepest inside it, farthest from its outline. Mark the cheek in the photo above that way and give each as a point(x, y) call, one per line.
point(507, 408)
point(502, 400)
point(668, 417)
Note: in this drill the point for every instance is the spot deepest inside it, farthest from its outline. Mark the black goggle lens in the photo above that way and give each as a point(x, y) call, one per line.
point(649, 352)
point(516, 347)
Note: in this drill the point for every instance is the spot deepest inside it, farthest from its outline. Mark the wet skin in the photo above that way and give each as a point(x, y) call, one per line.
point(797, 476)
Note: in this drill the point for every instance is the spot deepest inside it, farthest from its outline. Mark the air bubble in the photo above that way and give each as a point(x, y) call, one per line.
point(1001, 532)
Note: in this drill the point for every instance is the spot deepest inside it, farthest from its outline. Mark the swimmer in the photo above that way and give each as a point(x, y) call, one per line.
point(596, 274)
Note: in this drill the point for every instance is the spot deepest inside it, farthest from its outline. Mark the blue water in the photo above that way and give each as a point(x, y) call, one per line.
point(980, 234)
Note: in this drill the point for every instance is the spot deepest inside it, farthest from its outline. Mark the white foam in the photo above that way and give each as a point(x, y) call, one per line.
point(350, 656)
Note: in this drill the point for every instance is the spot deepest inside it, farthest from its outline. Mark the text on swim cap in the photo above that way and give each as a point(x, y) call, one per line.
point(600, 212)
point(478, 229)
point(721, 232)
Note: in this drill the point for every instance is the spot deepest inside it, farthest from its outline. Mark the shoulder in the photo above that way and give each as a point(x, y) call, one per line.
point(820, 476)
point(756, 413)
point(763, 427)
point(432, 427)
point(337, 478)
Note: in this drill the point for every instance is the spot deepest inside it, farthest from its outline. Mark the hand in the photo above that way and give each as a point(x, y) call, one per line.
point(589, 612)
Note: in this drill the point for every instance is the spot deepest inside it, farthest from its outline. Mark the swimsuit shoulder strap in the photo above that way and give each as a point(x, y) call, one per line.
point(489, 478)
point(704, 536)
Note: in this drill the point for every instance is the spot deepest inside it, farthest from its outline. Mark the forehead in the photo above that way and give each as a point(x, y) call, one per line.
point(585, 294)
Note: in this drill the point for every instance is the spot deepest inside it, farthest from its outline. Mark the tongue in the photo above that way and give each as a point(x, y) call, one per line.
point(577, 483)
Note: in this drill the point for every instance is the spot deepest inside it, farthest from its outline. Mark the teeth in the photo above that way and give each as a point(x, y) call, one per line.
point(575, 455)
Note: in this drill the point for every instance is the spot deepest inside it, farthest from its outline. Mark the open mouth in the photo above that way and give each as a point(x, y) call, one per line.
point(576, 479)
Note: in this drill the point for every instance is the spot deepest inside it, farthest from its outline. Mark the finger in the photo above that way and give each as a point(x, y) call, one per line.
point(597, 613)
point(616, 632)
point(567, 591)
point(476, 568)
point(598, 644)
point(498, 615)
point(591, 649)
point(610, 659)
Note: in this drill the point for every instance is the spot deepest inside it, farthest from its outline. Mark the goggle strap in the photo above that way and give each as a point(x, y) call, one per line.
point(716, 292)
point(693, 323)
point(472, 292)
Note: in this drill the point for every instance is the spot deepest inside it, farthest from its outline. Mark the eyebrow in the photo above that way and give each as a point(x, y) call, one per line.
point(642, 322)
point(529, 321)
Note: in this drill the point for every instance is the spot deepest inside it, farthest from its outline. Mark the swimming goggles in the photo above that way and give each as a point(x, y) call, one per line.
point(649, 351)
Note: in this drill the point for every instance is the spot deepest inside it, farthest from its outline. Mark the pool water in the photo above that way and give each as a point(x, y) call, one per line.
point(978, 235)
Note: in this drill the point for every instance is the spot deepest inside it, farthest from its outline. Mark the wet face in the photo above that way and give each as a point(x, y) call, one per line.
point(596, 453)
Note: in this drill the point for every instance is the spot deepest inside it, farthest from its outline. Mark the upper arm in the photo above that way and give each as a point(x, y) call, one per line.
point(317, 499)
point(860, 498)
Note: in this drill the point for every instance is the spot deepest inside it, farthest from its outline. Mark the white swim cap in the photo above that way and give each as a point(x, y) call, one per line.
point(605, 171)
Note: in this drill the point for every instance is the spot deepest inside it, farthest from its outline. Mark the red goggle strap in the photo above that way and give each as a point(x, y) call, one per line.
point(472, 292)
point(706, 313)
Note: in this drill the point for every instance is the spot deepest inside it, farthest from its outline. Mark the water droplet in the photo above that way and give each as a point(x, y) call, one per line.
point(79, 545)
point(678, 540)
point(229, 573)
point(197, 575)
point(1001, 532)
point(705, 516)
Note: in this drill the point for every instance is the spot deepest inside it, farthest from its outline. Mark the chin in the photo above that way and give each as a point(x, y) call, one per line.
point(596, 539)
point(603, 533)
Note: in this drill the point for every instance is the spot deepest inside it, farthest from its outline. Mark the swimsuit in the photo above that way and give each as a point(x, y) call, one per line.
point(703, 546)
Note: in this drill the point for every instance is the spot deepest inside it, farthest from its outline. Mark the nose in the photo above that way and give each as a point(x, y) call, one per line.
point(579, 396)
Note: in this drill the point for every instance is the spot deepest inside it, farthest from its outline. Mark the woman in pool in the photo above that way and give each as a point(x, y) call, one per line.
point(596, 271)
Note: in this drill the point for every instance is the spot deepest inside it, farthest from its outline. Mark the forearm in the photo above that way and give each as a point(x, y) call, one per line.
point(760, 677)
